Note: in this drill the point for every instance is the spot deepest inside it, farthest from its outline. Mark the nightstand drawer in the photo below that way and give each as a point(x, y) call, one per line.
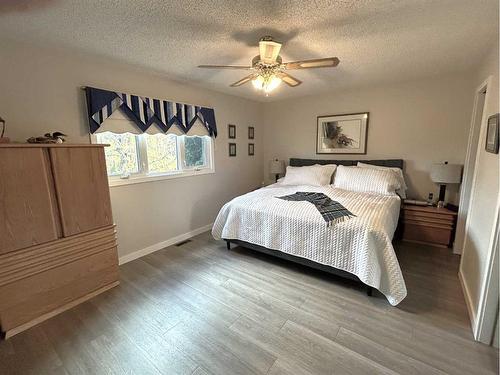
point(429, 211)
point(436, 235)
point(430, 223)
point(415, 215)
point(431, 220)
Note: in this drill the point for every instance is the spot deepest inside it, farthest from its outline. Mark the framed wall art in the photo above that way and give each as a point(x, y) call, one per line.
point(251, 149)
point(492, 134)
point(232, 149)
point(231, 131)
point(251, 132)
point(342, 134)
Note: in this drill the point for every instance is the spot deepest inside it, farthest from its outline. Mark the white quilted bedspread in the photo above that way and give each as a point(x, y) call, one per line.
point(360, 245)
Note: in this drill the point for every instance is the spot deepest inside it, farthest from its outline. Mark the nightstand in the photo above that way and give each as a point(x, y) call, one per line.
point(429, 225)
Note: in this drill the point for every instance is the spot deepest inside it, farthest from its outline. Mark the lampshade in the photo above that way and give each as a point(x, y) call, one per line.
point(446, 173)
point(276, 166)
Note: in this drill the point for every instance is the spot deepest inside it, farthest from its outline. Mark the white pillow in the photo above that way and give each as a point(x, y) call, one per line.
point(399, 174)
point(366, 180)
point(328, 170)
point(314, 175)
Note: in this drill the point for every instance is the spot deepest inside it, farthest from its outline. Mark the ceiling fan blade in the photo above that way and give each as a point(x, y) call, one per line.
point(225, 67)
point(329, 62)
point(243, 80)
point(269, 51)
point(289, 80)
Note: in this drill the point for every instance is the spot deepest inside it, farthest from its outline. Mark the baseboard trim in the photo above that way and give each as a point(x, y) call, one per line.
point(160, 245)
point(468, 302)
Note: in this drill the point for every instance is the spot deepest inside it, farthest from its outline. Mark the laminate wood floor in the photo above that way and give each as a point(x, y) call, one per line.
point(200, 309)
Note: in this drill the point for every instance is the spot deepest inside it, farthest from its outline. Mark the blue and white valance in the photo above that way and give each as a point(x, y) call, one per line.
point(145, 112)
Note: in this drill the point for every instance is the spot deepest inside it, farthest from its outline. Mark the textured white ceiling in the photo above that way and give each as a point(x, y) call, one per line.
point(376, 41)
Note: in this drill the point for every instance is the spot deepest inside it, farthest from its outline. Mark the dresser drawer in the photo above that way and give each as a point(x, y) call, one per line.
point(40, 281)
point(431, 234)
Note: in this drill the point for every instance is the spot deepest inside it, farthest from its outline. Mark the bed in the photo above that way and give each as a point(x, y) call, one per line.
point(359, 248)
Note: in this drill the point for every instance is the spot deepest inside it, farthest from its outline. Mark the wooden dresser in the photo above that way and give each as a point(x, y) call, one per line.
point(57, 237)
point(429, 225)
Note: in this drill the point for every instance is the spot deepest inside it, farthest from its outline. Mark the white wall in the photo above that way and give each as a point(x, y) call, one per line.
point(422, 122)
point(485, 196)
point(40, 92)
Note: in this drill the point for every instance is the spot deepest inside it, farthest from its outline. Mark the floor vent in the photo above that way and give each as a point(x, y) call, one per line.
point(182, 243)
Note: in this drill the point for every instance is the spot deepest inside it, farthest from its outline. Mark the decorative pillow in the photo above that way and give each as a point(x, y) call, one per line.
point(314, 175)
point(399, 174)
point(366, 180)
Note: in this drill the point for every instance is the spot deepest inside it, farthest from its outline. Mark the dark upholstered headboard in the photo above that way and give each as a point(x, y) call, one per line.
point(394, 163)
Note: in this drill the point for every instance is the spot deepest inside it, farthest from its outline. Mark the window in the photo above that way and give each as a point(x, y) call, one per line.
point(136, 158)
point(121, 155)
point(161, 153)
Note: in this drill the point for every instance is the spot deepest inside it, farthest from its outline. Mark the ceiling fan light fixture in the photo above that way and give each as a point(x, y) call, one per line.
point(267, 84)
point(272, 84)
point(268, 69)
point(258, 82)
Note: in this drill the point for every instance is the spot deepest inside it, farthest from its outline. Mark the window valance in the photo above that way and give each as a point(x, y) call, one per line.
point(145, 112)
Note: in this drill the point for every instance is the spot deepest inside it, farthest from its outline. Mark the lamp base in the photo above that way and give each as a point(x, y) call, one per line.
point(442, 192)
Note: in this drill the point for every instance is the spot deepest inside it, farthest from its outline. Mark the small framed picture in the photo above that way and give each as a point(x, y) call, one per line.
point(492, 134)
point(231, 131)
point(251, 149)
point(251, 132)
point(232, 149)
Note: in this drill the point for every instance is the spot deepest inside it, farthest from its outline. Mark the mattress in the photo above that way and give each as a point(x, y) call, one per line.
point(360, 245)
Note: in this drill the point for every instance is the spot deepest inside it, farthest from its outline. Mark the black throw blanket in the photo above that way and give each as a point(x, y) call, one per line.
point(332, 211)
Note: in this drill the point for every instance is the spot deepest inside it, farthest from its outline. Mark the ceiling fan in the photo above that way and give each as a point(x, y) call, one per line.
point(268, 69)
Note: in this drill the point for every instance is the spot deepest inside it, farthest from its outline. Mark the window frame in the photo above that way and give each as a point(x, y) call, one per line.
point(143, 176)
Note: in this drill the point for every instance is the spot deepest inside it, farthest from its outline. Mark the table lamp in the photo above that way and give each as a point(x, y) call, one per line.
point(277, 167)
point(444, 174)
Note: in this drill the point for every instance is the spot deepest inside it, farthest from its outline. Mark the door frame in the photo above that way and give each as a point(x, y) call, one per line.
point(483, 322)
point(466, 190)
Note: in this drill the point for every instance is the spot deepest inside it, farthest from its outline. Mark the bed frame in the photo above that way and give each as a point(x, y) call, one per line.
point(294, 162)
